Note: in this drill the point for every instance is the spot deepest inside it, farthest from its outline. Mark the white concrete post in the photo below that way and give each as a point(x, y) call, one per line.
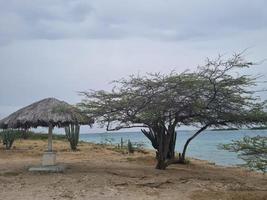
point(49, 157)
point(50, 129)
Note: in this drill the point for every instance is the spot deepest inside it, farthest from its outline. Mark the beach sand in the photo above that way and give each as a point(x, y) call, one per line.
point(96, 172)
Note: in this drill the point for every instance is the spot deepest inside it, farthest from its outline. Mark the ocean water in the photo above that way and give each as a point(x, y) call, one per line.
point(204, 146)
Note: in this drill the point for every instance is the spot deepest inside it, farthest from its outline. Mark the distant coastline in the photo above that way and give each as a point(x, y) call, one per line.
point(259, 128)
point(225, 129)
point(236, 129)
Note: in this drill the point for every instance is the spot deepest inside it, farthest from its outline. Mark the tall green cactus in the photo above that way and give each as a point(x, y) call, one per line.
point(130, 147)
point(72, 134)
point(8, 137)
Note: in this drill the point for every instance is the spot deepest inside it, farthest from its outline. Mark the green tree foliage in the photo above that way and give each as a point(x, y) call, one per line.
point(212, 96)
point(253, 150)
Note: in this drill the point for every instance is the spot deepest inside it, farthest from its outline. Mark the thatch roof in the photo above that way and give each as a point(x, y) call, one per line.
point(44, 113)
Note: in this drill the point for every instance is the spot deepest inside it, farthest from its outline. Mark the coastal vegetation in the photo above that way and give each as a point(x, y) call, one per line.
point(214, 96)
point(124, 146)
point(253, 150)
point(9, 136)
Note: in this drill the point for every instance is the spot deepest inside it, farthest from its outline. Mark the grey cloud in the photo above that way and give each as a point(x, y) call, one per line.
point(58, 47)
point(41, 19)
point(35, 10)
point(159, 19)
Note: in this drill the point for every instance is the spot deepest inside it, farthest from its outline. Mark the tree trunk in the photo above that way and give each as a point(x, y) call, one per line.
point(171, 152)
point(161, 164)
point(182, 156)
point(163, 141)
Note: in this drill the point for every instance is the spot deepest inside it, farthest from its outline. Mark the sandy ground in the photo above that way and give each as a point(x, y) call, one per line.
point(96, 172)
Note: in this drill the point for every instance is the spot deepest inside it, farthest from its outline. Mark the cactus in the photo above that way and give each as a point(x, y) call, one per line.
point(121, 143)
point(8, 137)
point(72, 134)
point(130, 147)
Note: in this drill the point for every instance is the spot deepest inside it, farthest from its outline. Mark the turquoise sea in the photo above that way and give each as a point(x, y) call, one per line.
point(204, 146)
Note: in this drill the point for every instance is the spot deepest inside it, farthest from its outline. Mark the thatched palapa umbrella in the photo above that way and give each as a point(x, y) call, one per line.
point(48, 112)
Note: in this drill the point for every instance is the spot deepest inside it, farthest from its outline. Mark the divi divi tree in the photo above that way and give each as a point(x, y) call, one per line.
point(214, 95)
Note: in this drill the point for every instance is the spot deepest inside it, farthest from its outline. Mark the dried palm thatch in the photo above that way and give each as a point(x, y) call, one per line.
point(48, 112)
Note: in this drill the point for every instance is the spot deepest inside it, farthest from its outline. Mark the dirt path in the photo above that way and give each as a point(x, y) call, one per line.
point(97, 172)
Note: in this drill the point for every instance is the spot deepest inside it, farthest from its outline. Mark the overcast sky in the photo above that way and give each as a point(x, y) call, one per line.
point(54, 48)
